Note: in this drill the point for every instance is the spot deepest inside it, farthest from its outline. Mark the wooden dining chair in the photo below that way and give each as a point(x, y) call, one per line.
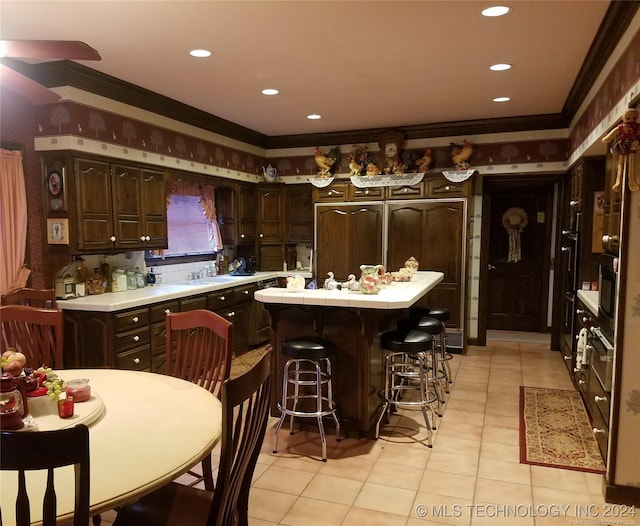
point(198, 349)
point(245, 411)
point(47, 450)
point(45, 298)
point(35, 332)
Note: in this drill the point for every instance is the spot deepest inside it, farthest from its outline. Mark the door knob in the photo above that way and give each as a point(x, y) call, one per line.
point(492, 267)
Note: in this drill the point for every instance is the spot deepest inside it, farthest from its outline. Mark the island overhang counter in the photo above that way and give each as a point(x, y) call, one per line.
point(353, 322)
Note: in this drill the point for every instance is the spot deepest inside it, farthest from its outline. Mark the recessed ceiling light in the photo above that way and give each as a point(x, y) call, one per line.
point(502, 99)
point(500, 67)
point(496, 10)
point(270, 91)
point(200, 53)
point(314, 117)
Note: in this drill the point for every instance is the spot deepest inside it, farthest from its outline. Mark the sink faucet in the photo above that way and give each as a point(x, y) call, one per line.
point(204, 272)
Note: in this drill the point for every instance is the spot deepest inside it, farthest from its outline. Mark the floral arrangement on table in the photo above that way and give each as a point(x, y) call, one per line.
point(15, 363)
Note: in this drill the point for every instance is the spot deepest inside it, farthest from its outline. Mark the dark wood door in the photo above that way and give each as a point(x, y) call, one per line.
point(127, 196)
point(519, 262)
point(434, 232)
point(154, 206)
point(347, 236)
point(270, 206)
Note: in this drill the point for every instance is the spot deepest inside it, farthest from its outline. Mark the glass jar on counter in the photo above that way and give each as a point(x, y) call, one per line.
point(139, 278)
point(132, 282)
point(96, 284)
point(118, 280)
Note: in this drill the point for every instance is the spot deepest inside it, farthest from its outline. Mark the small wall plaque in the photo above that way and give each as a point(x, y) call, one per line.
point(58, 231)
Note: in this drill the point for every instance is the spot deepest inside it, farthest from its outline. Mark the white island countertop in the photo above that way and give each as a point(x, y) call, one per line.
point(397, 295)
point(117, 301)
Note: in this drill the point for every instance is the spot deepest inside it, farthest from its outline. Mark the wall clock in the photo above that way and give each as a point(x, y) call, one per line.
point(390, 145)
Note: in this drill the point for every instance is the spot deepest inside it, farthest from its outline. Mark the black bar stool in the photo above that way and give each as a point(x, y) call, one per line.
point(309, 367)
point(408, 382)
point(441, 314)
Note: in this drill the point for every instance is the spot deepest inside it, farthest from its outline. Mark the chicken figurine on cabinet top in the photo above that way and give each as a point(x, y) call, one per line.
point(325, 162)
point(460, 154)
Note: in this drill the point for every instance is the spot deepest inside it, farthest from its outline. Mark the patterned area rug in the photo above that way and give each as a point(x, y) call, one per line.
point(555, 431)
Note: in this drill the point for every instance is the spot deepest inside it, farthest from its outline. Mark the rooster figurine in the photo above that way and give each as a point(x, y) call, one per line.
point(424, 161)
point(324, 163)
point(354, 167)
point(460, 155)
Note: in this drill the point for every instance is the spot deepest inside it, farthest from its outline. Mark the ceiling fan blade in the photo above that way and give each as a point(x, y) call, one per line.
point(25, 87)
point(48, 49)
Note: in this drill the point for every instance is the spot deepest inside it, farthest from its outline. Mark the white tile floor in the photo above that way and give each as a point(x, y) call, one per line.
point(468, 478)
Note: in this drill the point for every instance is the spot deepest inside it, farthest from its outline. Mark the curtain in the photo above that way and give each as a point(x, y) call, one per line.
point(208, 203)
point(13, 222)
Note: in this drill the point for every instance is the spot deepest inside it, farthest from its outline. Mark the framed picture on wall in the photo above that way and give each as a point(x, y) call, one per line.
point(58, 231)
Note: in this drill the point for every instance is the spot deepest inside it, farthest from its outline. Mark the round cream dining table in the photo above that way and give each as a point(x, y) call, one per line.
point(145, 429)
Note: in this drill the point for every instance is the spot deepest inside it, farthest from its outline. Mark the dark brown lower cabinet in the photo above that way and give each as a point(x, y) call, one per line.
point(136, 338)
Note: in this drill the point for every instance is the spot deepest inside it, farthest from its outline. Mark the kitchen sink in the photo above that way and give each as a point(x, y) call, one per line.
point(212, 280)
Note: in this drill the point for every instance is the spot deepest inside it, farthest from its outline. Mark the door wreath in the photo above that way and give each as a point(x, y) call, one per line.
point(514, 221)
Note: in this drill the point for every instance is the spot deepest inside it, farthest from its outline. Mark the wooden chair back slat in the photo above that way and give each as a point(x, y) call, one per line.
point(199, 348)
point(245, 405)
point(46, 450)
point(37, 333)
point(44, 298)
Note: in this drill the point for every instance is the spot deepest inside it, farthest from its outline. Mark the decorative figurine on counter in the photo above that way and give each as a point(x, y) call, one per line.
point(626, 137)
point(351, 283)
point(331, 283)
point(460, 155)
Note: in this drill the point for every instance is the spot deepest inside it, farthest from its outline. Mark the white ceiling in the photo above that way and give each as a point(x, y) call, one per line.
point(360, 64)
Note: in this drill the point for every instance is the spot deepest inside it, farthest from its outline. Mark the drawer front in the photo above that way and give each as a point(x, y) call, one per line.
point(158, 312)
point(136, 359)
point(221, 299)
point(599, 399)
point(197, 302)
point(406, 192)
point(130, 339)
point(242, 294)
point(126, 321)
point(600, 432)
point(445, 188)
point(374, 193)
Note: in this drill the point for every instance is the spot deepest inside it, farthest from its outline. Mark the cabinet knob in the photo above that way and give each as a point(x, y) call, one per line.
point(112, 238)
point(597, 431)
point(135, 319)
point(222, 298)
point(447, 188)
point(136, 360)
point(242, 236)
point(167, 311)
point(136, 338)
point(574, 202)
point(261, 234)
point(231, 314)
point(600, 399)
point(582, 382)
point(147, 238)
point(607, 238)
point(564, 249)
point(246, 292)
point(141, 238)
point(567, 358)
point(580, 311)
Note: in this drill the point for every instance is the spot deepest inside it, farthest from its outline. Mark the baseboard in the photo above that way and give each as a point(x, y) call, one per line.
point(629, 495)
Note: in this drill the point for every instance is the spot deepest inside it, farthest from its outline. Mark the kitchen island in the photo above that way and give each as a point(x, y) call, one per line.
point(354, 322)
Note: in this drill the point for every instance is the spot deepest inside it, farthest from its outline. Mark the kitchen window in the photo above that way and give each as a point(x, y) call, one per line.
point(192, 225)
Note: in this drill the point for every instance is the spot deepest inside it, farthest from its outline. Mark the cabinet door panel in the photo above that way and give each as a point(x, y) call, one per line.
point(154, 209)
point(270, 215)
point(127, 196)
point(365, 238)
point(94, 205)
point(434, 233)
point(348, 236)
point(247, 216)
point(299, 214)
